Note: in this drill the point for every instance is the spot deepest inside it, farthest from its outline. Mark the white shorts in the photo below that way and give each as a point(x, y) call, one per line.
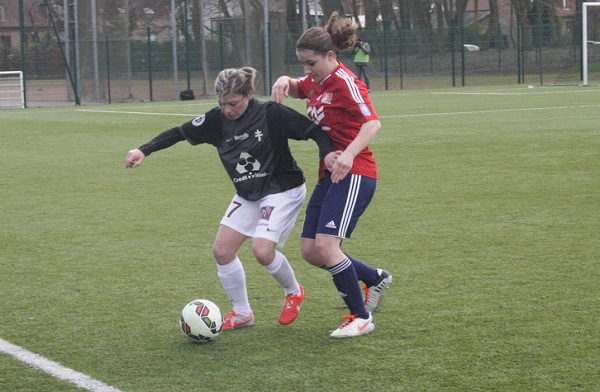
point(273, 217)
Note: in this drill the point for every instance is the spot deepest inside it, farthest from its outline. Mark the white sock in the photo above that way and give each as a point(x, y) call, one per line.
point(233, 280)
point(281, 270)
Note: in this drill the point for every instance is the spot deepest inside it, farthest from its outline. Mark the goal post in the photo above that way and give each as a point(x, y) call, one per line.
point(584, 36)
point(12, 93)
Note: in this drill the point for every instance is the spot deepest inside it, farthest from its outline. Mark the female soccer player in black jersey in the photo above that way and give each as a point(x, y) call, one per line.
point(251, 137)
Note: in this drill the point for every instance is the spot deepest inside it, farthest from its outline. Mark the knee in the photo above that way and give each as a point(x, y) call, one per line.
point(327, 249)
point(309, 253)
point(314, 253)
point(321, 249)
point(264, 251)
point(222, 253)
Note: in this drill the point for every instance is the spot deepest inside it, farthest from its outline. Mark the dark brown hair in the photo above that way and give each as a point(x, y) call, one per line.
point(339, 34)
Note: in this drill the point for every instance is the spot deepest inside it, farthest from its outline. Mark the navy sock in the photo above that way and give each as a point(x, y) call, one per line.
point(345, 280)
point(367, 274)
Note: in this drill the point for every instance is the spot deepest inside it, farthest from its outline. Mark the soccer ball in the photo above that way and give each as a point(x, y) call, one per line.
point(201, 320)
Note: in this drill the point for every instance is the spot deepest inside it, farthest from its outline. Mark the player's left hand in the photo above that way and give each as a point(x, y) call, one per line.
point(342, 166)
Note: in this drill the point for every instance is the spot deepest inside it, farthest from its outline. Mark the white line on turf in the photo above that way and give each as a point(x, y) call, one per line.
point(491, 111)
point(54, 369)
point(125, 112)
point(529, 92)
point(392, 116)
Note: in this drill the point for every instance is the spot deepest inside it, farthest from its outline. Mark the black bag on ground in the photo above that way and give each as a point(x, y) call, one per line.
point(187, 95)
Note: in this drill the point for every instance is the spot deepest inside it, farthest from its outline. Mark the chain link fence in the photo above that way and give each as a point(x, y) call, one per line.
point(113, 63)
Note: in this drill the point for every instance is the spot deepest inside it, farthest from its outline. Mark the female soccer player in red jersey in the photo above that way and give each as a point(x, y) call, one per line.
point(339, 102)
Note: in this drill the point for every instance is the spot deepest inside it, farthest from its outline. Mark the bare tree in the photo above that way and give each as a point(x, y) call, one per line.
point(541, 18)
point(201, 37)
point(420, 18)
point(355, 13)
point(387, 13)
point(328, 7)
point(371, 14)
point(445, 12)
point(494, 33)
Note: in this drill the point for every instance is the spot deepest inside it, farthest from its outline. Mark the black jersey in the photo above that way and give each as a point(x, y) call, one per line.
point(254, 148)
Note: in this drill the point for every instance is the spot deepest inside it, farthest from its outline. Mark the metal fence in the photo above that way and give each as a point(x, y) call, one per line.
point(153, 67)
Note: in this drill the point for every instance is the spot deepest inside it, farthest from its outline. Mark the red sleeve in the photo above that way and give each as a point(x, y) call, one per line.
point(304, 86)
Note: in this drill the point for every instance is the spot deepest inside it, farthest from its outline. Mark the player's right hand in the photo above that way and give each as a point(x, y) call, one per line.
point(134, 158)
point(330, 159)
point(280, 89)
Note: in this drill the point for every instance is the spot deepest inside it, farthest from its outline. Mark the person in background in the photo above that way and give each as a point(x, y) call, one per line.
point(362, 51)
point(338, 102)
point(251, 138)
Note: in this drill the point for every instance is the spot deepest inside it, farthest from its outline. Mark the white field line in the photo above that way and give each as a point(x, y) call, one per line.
point(125, 112)
point(491, 111)
point(54, 369)
point(512, 93)
point(393, 116)
point(538, 90)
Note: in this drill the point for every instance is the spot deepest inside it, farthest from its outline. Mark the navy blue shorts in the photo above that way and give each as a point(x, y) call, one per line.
point(334, 209)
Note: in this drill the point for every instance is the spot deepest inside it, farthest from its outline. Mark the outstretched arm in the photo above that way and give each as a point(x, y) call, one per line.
point(163, 140)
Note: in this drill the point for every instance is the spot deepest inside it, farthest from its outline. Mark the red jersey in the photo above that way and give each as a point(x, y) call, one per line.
point(340, 105)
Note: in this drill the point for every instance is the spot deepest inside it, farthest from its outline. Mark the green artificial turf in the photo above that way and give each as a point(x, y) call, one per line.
point(486, 213)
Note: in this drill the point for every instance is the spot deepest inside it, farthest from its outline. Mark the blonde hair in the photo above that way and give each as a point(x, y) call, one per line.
point(236, 81)
point(338, 34)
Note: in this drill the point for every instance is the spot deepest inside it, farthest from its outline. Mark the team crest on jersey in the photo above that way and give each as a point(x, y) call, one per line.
point(364, 108)
point(327, 97)
point(265, 212)
point(198, 120)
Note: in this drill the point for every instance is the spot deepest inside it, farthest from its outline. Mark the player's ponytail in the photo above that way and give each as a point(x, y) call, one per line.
point(342, 31)
point(339, 34)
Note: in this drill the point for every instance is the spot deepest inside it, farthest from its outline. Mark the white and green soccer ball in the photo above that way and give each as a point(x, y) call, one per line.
point(201, 320)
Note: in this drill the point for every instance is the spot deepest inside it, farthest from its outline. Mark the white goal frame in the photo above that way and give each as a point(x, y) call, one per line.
point(584, 42)
point(11, 90)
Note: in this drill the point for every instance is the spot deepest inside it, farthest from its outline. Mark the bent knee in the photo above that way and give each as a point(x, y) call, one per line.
point(327, 249)
point(222, 253)
point(310, 254)
point(263, 250)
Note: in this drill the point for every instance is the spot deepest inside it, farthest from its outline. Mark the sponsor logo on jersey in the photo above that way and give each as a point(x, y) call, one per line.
point(364, 108)
point(247, 163)
point(248, 167)
point(243, 136)
point(198, 120)
point(250, 176)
